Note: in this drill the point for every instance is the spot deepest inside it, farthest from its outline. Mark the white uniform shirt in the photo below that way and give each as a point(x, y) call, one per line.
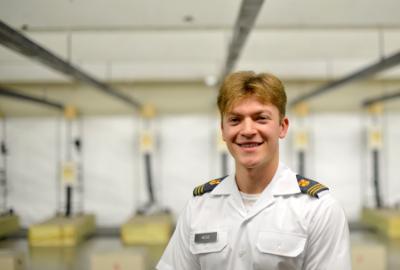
point(284, 230)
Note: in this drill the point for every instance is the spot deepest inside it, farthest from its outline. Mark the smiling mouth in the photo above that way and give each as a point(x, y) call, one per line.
point(249, 145)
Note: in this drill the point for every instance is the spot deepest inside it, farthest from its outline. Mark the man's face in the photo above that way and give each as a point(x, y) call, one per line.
point(252, 130)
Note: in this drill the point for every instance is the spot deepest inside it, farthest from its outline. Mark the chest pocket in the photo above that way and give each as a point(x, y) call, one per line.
point(215, 246)
point(281, 244)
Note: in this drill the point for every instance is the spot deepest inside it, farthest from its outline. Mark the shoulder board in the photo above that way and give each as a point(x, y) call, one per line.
point(309, 186)
point(207, 187)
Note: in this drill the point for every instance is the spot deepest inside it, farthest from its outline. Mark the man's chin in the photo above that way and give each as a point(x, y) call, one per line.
point(249, 164)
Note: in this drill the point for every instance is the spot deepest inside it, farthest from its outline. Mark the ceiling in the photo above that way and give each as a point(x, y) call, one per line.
point(149, 46)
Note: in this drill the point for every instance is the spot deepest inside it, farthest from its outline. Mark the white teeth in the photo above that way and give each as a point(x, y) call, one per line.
point(249, 145)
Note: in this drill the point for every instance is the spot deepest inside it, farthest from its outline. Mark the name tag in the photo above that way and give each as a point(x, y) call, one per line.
point(203, 238)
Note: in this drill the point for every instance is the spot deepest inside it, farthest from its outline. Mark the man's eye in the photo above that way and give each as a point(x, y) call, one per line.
point(233, 120)
point(261, 117)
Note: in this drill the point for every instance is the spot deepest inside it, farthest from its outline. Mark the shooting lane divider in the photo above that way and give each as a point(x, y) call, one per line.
point(386, 221)
point(66, 229)
point(147, 149)
point(152, 225)
point(69, 167)
point(11, 220)
point(375, 144)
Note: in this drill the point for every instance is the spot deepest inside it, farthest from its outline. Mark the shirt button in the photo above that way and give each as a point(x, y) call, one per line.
point(242, 253)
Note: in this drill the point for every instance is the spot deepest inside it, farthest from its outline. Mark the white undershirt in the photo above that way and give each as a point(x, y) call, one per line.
point(249, 200)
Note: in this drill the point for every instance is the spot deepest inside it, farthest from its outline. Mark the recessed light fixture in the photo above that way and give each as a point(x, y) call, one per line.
point(210, 80)
point(188, 18)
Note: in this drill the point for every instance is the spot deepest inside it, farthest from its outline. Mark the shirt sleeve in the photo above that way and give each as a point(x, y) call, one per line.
point(177, 255)
point(328, 244)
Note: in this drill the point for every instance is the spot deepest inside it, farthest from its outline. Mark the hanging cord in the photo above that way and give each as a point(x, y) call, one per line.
point(149, 178)
point(301, 159)
point(58, 165)
point(3, 179)
point(376, 180)
point(79, 149)
point(68, 190)
point(375, 144)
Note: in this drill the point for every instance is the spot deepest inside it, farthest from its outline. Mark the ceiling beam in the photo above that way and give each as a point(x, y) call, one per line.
point(381, 65)
point(23, 45)
point(200, 27)
point(42, 101)
point(368, 102)
point(244, 23)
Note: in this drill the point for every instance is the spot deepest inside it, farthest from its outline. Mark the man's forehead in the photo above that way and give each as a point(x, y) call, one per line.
point(251, 106)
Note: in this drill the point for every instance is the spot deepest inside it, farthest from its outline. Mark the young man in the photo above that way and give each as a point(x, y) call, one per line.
point(264, 217)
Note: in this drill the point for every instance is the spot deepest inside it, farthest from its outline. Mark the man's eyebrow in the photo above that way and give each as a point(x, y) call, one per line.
point(254, 113)
point(263, 111)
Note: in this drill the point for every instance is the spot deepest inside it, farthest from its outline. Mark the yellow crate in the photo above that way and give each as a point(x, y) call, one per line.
point(147, 230)
point(61, 231)
point(8, 224)
point(385, 221)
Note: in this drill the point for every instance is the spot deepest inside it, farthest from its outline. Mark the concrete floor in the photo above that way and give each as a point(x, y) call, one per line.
point(74, 258)
point(392, 246)
point(79, 258)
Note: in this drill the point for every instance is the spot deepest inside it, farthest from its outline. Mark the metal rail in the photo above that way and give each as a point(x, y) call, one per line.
point(381, 98)
point(381, 65)
point(18, 95)
point(23, 45)
point(244, 23)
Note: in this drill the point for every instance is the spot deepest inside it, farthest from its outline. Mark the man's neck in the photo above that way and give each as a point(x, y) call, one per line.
point(255, 180)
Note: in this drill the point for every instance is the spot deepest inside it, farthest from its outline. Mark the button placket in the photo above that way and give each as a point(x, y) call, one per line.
point(244, 238)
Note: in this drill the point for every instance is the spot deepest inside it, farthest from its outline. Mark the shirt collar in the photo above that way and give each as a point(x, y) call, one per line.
point(284, 182)
point(226, 187)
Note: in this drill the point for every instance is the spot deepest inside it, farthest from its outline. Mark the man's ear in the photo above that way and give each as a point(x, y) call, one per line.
point(284, 126)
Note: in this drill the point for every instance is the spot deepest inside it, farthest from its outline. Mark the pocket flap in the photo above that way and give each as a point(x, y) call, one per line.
point(197, 247)
point(282, 244)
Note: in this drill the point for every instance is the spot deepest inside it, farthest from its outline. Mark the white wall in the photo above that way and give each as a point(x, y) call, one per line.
point(186, 156)
point(392, 153)
point(335, 157)
point(110, 168)
point(189, 157)
point(32, 167)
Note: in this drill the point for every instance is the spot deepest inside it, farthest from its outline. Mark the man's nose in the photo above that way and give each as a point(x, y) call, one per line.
point(248, 128)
